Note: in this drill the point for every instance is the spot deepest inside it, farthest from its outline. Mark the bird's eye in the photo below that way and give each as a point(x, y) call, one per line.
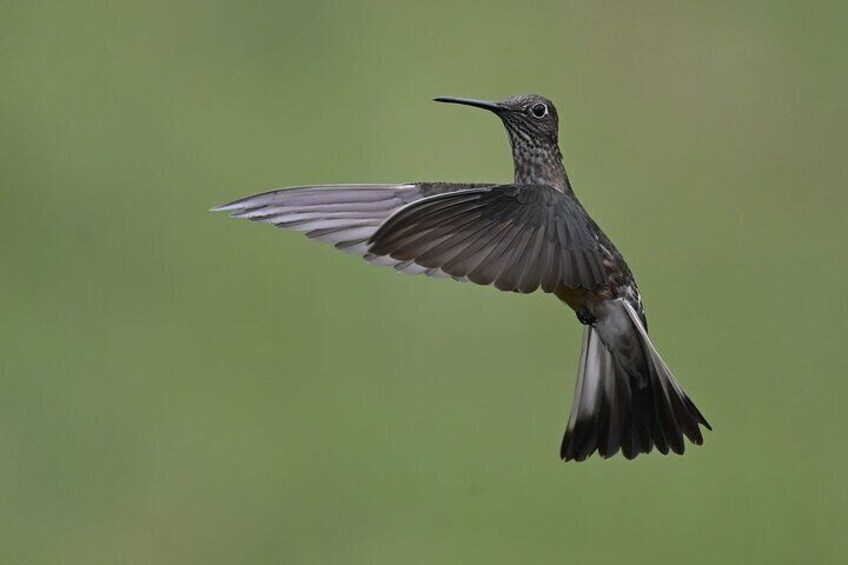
point(539, 110)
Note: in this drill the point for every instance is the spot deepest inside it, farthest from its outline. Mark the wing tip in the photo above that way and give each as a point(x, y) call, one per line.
point(231, 207)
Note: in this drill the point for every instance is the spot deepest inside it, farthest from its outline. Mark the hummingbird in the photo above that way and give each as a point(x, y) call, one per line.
point(523, 236)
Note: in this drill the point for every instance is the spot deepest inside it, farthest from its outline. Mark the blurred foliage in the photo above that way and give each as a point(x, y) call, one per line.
point(182, 388)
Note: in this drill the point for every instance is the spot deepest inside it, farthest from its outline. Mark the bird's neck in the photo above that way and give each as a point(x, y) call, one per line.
point(540, 164)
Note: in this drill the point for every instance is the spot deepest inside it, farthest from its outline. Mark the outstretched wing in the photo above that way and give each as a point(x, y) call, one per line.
point(517, 237)
point(344, 215)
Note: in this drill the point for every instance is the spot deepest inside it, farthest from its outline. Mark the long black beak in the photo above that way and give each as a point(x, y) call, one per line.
point(486, 105)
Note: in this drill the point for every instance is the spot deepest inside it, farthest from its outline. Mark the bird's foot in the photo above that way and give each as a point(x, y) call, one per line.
point(585, 316)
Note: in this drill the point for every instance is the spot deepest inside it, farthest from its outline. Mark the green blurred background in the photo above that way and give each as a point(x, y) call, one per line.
point(177, 387)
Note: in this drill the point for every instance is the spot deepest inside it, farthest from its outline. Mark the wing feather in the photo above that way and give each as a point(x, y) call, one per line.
point(517, 237)
point(346, 216)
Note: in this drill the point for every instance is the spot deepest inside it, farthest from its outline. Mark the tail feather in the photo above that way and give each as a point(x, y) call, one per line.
point(688, 415)
point(628, 402)
point(588, 400)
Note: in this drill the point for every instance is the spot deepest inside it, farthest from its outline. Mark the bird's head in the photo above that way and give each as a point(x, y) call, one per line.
point(533, 127)
point(529, 118)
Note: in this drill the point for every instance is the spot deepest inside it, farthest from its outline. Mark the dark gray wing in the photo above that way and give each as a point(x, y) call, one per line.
point(517, 237)
point(344, 215)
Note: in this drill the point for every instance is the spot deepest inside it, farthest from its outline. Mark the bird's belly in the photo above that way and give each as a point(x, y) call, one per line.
point(581, 298)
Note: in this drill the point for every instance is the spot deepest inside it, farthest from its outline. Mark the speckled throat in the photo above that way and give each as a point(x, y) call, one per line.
point(537, 161)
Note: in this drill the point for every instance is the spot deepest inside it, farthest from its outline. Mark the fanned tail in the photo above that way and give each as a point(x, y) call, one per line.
point(626, 399)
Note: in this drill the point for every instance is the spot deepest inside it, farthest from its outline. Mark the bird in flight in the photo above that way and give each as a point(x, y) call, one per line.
point(528, 235)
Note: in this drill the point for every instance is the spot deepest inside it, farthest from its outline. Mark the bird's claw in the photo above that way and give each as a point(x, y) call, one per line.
point(585, 316)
